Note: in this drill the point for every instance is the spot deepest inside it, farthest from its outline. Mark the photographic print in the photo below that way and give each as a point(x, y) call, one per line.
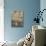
point(17, 19)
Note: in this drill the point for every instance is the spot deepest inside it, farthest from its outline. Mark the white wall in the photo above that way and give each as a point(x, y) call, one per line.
point(1, 21)
point(43, 6)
